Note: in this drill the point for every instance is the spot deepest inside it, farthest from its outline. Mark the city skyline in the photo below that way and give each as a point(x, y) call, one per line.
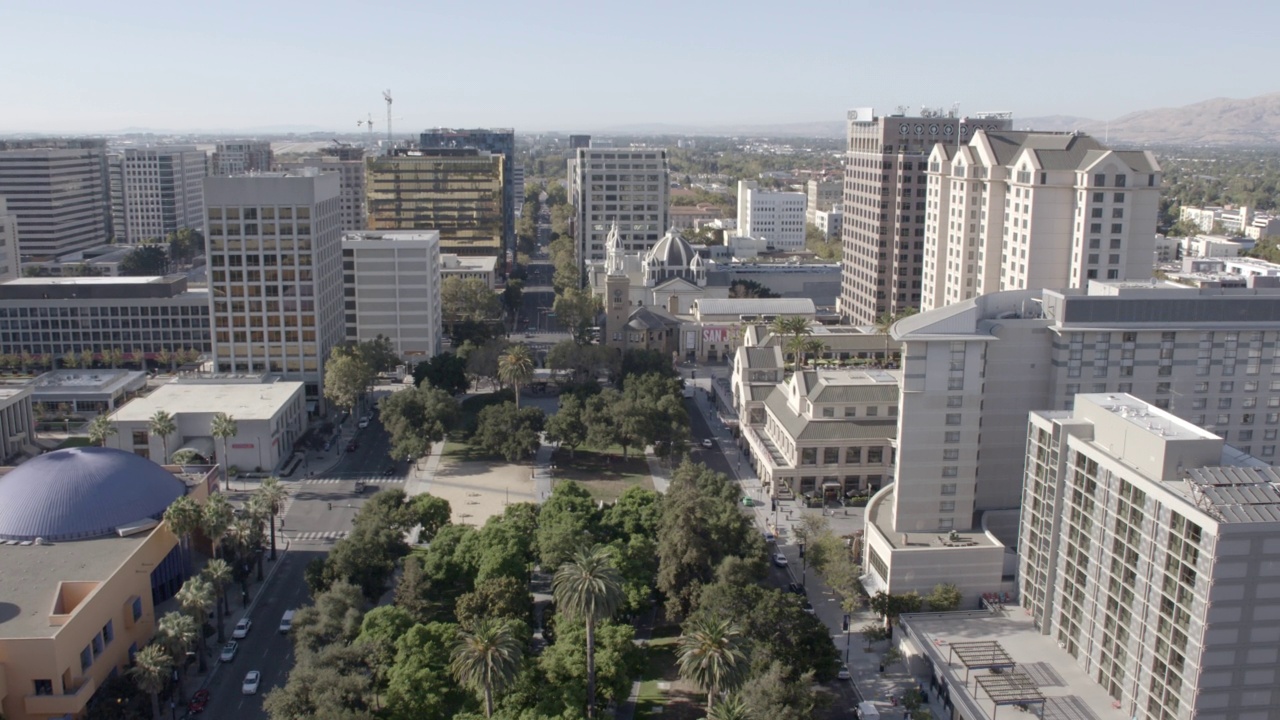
point(576, 66)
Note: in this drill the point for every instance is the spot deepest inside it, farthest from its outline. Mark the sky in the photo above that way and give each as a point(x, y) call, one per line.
point(570, 65)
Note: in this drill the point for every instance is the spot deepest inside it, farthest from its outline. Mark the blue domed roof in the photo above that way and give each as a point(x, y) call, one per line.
point(81, 493)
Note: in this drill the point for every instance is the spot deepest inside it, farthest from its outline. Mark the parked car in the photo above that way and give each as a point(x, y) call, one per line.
point(844, 672)
point(769, 537)
point(364, 422)
point(353, 446)
point(198, 702)
point(251, 680)
point(779, 559)
point(229, 651)
point(708, 443)
point(808, 607)
point(360, 486)
point(242, 629)
point(796, 588)
point(390, 470)
point(286, 621)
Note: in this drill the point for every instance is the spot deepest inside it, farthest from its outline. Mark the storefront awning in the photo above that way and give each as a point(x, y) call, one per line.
point(202, 446)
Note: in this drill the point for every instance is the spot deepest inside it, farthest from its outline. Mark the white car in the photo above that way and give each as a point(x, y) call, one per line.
point(844, 673)
point(708, 442)
point(780, 560)
point(242, 629)
point(251, 680)
point(229, 651)
point(364, 422)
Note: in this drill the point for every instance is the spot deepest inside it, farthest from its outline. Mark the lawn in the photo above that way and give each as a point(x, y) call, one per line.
point(74, 441)
point(662, 692)
point(605, 476)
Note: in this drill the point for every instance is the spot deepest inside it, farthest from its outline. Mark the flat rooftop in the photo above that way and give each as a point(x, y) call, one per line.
point(32, 573)
point(242, 401)
point(88, 382)
point(880, 514)
point(1069, 693)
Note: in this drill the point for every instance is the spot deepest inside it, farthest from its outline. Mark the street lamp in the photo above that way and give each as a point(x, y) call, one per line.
point(846, 639)
point(804, 568)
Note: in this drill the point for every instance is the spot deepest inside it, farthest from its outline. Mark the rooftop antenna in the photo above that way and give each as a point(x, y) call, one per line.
point(369, 123)
point(386, 95)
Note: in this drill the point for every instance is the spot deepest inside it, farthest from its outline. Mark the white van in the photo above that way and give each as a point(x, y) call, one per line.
point(286, 622)
point(868, 711)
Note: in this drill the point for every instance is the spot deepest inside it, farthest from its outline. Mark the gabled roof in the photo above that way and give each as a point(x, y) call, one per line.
point(755, 306)
point(802, 428)
point(676, 281)
point(647, 318)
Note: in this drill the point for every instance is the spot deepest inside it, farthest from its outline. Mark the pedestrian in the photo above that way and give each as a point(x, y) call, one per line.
point(330, 506)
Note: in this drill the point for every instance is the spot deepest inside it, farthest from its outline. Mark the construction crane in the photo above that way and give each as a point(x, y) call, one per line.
point(369, 122)
point(386, 95)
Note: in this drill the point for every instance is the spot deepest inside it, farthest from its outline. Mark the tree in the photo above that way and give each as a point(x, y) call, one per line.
point(567, 426)
point(69, 359)
point(380, 630)
point(420, 686)
point(731, 708)
point(778, 693)
point(144, 260)
point(272, 496)
point(750, 289)
point(512, 296)
point(495, 598)
point(509, 432)
point(196, 599)
point(588, 587)
point(162, 425)
point(113, 357)
point(486, 659)
point(945, 597)
point(150, 671)
point(224, 428)
point(646, 362)
point(565, 519)
point(577, 309)
point(445, 371)
point(584, 361)
point(873, 633)
point(177, 634)
point(379, 353)
point(430, 513)
point(185, 456)
point(219, 574)
point(183, 518)
point(416, 419)
point(347, 377)
point(101, 428)
point(515, 368)
point(711, 656)
point(891, 657)
point(216, 517)
point(468, 299)
point(777, 624)
point(334, 618)
point(890, 607)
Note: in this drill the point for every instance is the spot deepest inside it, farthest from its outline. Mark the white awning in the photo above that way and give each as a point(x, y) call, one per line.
point(202, 446)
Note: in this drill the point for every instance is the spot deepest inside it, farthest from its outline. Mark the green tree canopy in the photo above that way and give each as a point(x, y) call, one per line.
point(145, 260)
point(416, 418)
point(445, 371)
point(509, 432)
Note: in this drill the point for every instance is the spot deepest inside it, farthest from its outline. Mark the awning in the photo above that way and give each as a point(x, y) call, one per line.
point(202, 446)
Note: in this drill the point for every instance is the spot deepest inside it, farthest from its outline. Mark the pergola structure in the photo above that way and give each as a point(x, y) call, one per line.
point(983, 655)
point(1004, 683)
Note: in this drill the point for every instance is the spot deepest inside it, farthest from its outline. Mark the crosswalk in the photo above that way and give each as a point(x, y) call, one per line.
point(331, 535)
point(371, 480)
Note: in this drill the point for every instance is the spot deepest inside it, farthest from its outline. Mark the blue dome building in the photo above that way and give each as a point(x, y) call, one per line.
point(82, 493)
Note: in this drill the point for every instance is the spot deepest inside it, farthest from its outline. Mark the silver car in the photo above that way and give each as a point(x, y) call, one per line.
point(229, 651)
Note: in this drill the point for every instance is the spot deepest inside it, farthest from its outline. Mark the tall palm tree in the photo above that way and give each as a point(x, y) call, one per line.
point(215, 519)
point(162, 425)
point(272, 496)
point(177, 634)
point(196, 599)
point(588, 586)
point(731, 708)
point(486, 659)
point(184, 516)
point(515, 367)
point(150, 670)
point(224, 428)
point(812, 348)
point(218, 572)
point(247, 536)
point(710, 655)
point(100, 429)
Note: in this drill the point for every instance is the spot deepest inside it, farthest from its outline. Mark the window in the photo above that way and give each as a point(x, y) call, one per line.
point(875, 455)
point(86, 659)
point(851, 411)
point(108, 633)
point(951, 454)
point(947, 506)
point(1202, 387)
point(1226, 386)
point(952, 437)
point(809, 456)
point(953, 418)
point(140, 437)
point(955, 401)
point(950, 471)
point(1162, 388)
point(948, 488)
point(853, 455)
point(946, 524)
point(137, 609)
point(873, 411)
point(43, 687)
point(828, 412)
point(830, 456)
point(1224, 403)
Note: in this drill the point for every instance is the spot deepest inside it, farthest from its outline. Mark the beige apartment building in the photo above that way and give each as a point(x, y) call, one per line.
point(348, 163)
point(623, 187)
point(821, 194)
point(58, 191)
point(391, 286)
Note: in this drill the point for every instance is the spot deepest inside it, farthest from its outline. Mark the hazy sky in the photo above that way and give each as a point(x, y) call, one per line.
point(89, 65)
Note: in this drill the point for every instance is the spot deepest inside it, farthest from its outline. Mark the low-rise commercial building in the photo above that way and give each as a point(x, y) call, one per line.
point(85, 392)
point(1215, 246)
point(480, 268)
point(17, 424)
point(777, 217)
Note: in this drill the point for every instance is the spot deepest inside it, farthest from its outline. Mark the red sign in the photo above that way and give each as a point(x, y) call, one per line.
point(242, 446)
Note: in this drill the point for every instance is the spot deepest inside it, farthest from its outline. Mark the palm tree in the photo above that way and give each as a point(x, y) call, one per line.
point(515, 367)
point(813, 348)
point(100, 429)
point(218, 572)
point(588, 586)
point(224, 428)
point(177, 634)
point(215, 519)
point(150, 670)
point(731, 708)
point(272, 496)
point(710, 655)
point(885, 322)
point(184, 517)
point(246, 533)
point(196, 599)
point(163, 425)
point(486, 659)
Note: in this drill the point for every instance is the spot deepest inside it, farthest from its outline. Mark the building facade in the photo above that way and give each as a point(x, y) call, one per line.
point(830, 223)
point(157, 190)
point(58, 191)
point(1146, 547)
point(457, 192)
point(884, 206)
point(242, 156)
point(821, 194)
point(348, 163)
point(391, 286)
point(499, 141)
point(1013, 210)
point(484, 269)
point(274, 248)
point(777, 217)
point(9, 263)
point(627, 187)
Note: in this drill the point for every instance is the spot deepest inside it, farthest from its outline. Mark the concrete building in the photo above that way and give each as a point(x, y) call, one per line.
point(9, 263)
point(270, 416)
point(58, 191)
point(156, 190)
point(627, 187)
point(829, 222)
point(884, 205)
point(480, 268)
point(1170, 610)
point(348, 163)
point(1215, 246)
point(821, 194)
point(1073, 211)
point(86, 561)
point(458, 192)
point(777, 217)
point(499, 141)
point(275, 274)
point(688, 217)
point(17, 424)
point(85, 392)
point(1166, 249)
point(49, 317)
point(391, 283)
point(242, 156)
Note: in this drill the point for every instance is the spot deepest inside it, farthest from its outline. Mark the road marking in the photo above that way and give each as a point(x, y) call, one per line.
point(372, 479)
point(320, 535)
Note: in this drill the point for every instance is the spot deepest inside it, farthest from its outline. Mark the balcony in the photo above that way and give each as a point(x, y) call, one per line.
point(56, 705)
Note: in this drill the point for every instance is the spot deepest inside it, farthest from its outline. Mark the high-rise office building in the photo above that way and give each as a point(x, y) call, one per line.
point(623, 187)
point(242, 156)
point(156, 190)
point(348, 163)
point(1148, 549)
point(579, 141)
point(458, 192)
point(391, 282)
point(58, 191)
point(500, 141)
point(822, 194)
point(777, 217)
point(1014, 210)
point(9, 264)
point(884, 206)
point(274, 245)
